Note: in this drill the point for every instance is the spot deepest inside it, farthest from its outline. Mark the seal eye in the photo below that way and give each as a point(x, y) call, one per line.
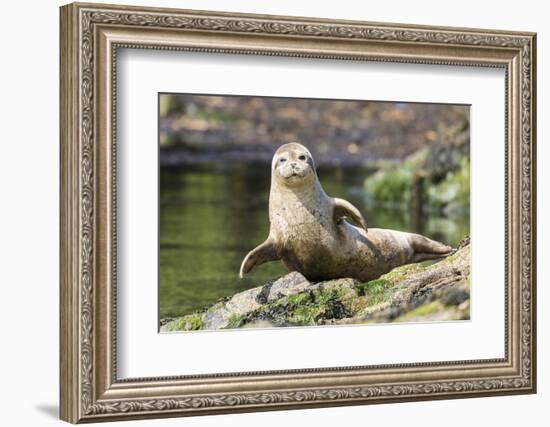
point(282, 160)
point(302, 157)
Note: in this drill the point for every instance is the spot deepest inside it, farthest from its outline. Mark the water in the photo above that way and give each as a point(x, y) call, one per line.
point(211, 216)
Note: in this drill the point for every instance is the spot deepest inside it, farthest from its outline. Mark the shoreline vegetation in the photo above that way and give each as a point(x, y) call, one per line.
point(433, 179)
point(422, 292)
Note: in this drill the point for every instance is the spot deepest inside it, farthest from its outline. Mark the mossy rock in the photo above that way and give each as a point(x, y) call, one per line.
point(191, 322)
point(415, 292)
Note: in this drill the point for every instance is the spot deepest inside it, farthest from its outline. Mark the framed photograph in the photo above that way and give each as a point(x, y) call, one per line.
point(266, 212)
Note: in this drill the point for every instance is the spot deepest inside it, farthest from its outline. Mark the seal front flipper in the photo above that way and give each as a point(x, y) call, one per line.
point(344, 209)
point(266, 252)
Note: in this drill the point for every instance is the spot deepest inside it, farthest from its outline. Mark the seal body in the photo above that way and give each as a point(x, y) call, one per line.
point(310, 233)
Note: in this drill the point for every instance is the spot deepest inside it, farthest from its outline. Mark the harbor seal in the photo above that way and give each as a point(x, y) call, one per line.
point(309, 231)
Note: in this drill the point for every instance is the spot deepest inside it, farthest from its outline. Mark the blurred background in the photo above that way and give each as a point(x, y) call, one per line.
point(406, 166)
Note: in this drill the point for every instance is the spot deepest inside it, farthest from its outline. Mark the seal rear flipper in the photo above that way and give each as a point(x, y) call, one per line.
point(344, 209)
point(426, 249)
point(266, 252)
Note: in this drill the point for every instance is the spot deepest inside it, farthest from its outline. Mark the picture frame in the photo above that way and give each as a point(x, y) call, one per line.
point(91, 36)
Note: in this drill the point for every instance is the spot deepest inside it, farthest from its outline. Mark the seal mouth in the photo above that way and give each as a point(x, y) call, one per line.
point(294, 176)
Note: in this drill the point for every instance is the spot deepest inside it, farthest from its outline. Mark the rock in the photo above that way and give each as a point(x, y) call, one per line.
point(216, 319)
point(259, 324)
point(290, 284)
point(228, 313)
point(243, 302)
point(410, 293)
point(456, 295)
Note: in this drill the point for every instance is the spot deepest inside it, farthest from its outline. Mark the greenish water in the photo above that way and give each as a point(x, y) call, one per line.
point(211, 216)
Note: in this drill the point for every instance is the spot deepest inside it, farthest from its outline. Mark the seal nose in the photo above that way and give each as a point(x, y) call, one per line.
point(293, 165)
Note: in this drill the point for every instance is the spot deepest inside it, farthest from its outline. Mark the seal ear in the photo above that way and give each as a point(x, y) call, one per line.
point(266, 252)
point(344, 209)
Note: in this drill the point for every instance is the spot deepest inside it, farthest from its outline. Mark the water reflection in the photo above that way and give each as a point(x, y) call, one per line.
point(211, 216)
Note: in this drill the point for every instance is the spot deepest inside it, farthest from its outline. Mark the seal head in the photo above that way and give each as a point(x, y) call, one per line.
point(293, 166)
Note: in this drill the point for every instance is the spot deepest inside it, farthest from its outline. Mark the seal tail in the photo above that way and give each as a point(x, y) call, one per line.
point(426, 249)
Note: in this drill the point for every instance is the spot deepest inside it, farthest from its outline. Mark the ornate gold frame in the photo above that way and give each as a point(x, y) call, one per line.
point(90, 36)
